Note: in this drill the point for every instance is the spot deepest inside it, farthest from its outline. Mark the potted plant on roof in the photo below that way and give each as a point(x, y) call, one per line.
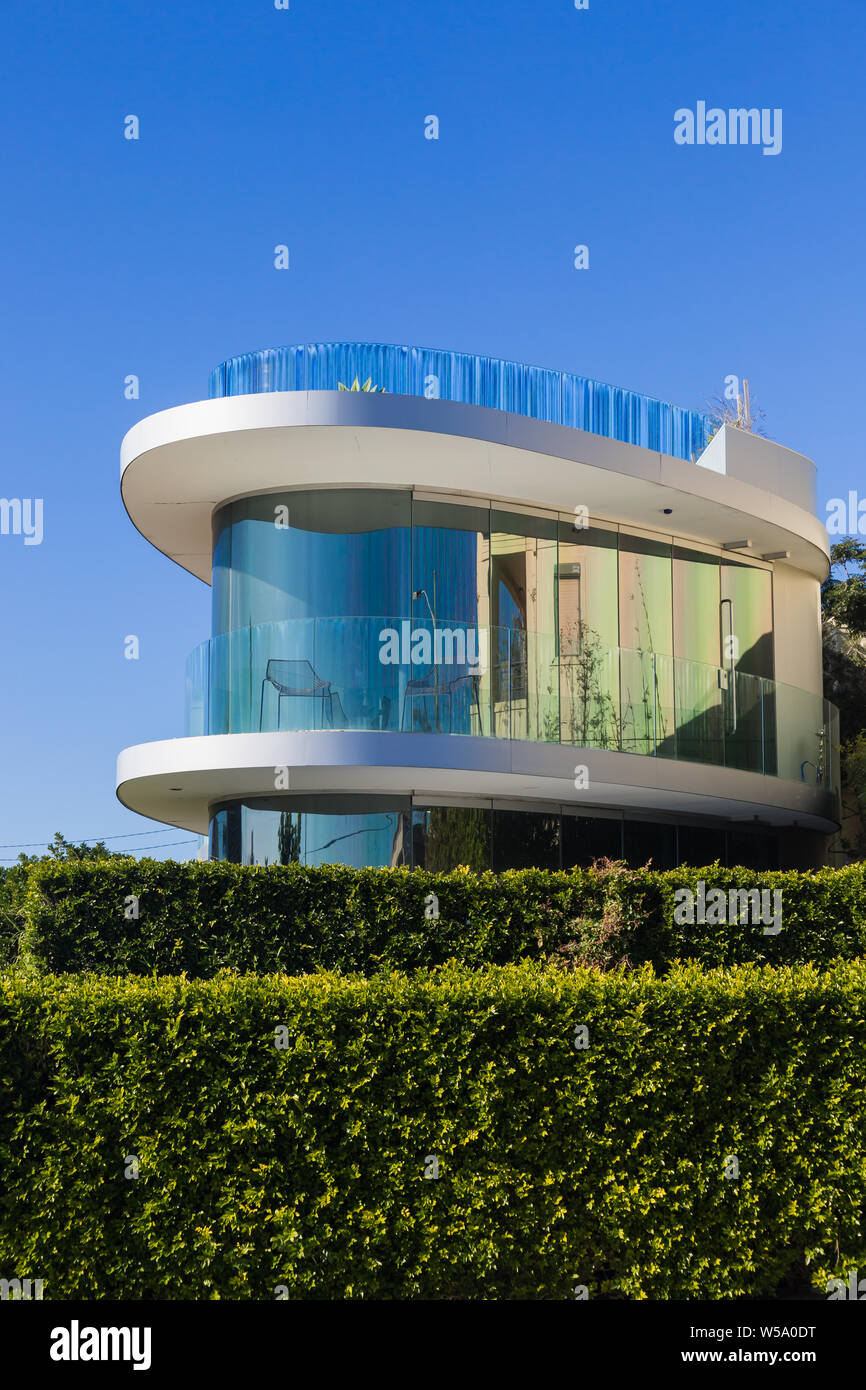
point(356, 386)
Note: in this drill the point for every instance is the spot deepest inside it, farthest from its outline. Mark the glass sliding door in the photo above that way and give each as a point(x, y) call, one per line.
point(450, 594)
point(522, 617)
point(646, 636)
point(588, 634)
point(750, 704)
point(697, 646)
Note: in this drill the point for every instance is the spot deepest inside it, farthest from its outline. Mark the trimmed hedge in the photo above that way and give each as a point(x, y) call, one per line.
point(198, 918)
point(300, 1172)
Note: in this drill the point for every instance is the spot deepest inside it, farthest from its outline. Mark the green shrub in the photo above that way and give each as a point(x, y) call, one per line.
point(13, 889)
point(198, 918)
point(303, 1168)
point(823, 917)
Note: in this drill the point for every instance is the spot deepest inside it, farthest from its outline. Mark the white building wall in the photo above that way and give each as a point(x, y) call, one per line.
point(797, 617)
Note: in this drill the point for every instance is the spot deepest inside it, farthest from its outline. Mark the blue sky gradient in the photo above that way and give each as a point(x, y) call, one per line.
point(306, 127)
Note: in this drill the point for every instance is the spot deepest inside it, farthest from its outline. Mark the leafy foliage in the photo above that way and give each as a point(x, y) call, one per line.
point(356, 386)
point(843, 594)
point(198, 918)
point(843, 603)
point(14, 881)
point(301, 1168)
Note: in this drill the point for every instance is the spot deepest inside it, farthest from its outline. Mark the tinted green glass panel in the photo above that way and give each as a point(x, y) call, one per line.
point(645, 625)
point(750, 592)
point(697, 693)
point(696, 594)
point(645, 599)
point(588, 629)
point(587, 589)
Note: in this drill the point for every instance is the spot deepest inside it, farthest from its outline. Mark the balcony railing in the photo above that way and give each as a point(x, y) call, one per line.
point(455, 678)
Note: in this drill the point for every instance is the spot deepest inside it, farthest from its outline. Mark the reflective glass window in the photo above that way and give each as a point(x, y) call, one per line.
point(387, 832)
point(296, 555)
point(749, 591)
point(588, 634)
point(523, 609)
point(749, 705)
point(445, 837)
point(697, 642)
point(646, 637)
point(314, 830)
point(752, 850)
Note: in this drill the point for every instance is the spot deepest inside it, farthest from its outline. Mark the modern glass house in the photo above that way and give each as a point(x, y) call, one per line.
point(467, 611)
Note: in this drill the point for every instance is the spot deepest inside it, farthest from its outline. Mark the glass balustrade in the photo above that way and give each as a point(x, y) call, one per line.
point(451, 678)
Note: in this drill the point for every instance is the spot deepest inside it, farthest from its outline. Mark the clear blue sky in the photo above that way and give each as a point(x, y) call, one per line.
point(306, 127)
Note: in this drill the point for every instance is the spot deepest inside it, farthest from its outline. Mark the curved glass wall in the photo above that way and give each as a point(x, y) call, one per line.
point(315, 830)
point(377, 609)
point(359, 553)
point(388, 832)
point(298, 555)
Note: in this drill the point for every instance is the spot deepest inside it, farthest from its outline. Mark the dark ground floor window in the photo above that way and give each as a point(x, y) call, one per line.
point(525, 840)
point(587, 838)
point(697, 845)
point(650, 842)
point(386, 831)
point(753, 850)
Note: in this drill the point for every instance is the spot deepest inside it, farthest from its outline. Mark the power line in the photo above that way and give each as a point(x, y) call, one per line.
point(167, 844)
point(135, 835)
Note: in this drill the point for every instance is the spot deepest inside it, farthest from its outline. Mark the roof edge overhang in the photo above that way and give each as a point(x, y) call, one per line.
point(180, 465)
